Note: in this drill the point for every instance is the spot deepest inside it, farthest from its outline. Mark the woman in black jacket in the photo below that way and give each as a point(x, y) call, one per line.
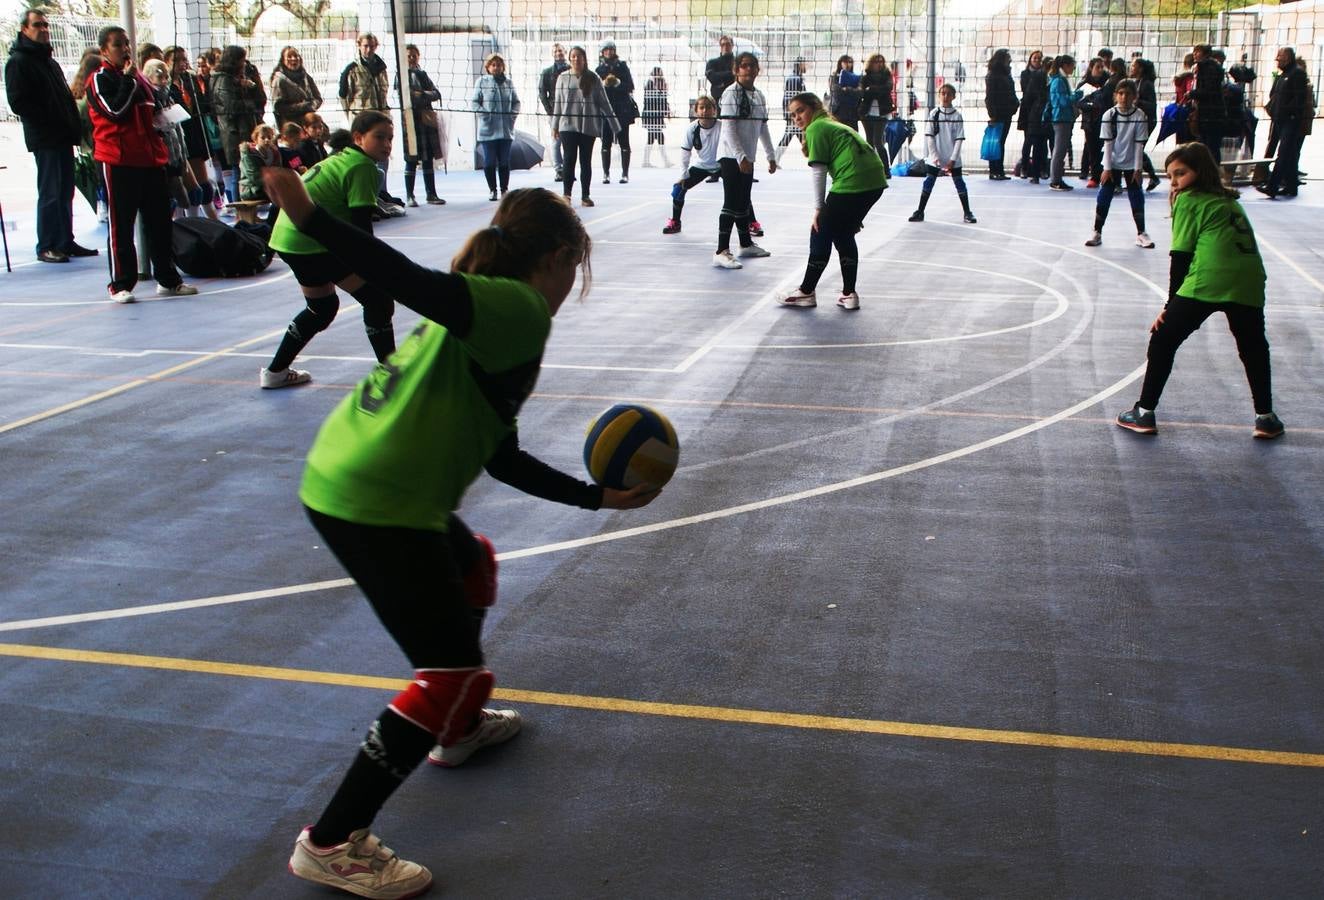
point(1001, 103)
point(1034, 94)
point(876, 104)
point(1143, 74)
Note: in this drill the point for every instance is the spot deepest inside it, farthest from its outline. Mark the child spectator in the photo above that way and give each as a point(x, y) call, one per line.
point(312, 149)
point(290, 147)
point(657, 109)
point(944, 134)
point(1216, 267)
point(1124, 130)
point(700, 136)
point(256, 155)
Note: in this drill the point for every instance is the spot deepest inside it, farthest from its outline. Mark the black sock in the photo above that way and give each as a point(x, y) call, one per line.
point(924, 200)
point(965, 202)
point(391, 750)
point(314, 317)
point(724, 223)
point(378, 308)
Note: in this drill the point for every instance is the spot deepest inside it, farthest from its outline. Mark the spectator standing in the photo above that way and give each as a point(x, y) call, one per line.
point(1092, 106)
point(1184, 80)
point(363, 83)
point(427, 131)
point(1034, 95)
point(1061, 114)
point(580, 114)
point(876, 105)
point(90, 62)
point(187, 92)
point(792, 86)
point(1001, 104)
point(619, 84)
point(657, 109)
point(37, 93)
point(1206, 97)
point(180, 183)
point(844, 92)
point(1291, 107)
point(1143, 74)
point(132, 158)
point(234, 100)
point(547, 97)
point(497, 105)
point(720, 70)
point(293, 91)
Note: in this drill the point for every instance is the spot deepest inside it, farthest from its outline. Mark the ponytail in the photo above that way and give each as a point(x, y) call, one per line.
point(529, 224)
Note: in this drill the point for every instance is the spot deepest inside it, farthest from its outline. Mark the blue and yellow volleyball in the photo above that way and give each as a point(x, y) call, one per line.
point(629, 445)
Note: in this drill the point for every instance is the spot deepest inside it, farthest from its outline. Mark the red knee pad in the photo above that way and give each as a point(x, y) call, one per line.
point(480, 582)
point(445, 702)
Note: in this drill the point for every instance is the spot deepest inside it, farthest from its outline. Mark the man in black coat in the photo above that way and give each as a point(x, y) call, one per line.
point(547, 96)
point(37, 93)
point(1210, 107)
point(720, 70)
point(1290, 108)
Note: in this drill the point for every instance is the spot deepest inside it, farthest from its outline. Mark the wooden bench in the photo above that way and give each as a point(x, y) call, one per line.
point(245, 210)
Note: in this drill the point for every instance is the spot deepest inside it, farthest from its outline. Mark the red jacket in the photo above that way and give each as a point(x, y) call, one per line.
point(121, 108)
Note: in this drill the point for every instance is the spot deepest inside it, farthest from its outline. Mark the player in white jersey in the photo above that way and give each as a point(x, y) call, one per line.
point(1124, 130)
point(944, 133)
point(701, 140)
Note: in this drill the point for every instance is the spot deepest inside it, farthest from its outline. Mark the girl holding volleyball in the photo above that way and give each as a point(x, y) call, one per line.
point(859, 178)
point(1216, 267)
point(387, 471)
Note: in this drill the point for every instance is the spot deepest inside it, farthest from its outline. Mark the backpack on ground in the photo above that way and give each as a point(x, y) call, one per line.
point(205, 248)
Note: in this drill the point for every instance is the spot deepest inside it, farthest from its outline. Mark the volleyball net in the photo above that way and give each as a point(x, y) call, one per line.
point(668, 43)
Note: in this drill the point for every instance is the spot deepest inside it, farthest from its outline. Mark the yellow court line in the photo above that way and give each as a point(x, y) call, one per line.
point(688, 711)
point(137, 382)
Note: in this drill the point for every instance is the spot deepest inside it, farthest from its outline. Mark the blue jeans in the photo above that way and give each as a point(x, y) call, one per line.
point(55, 199)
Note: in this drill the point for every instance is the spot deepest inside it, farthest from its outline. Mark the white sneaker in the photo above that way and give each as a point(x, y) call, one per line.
point(1095, 239)
point(495, 726)
point(362, 865)
point(753, 251)
point(849, 301)
point(801, 299)
point(288, 378)
point(1144, 240)
point(124, 296)
point(724, 260)
point(179, 290)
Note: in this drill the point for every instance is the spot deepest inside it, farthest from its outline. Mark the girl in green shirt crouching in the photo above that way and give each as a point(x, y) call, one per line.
point(1216, 267)
point(387, 472)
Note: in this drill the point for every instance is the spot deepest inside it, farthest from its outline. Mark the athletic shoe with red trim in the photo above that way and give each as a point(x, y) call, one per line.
point(288, 378)
point(495, 726)
point(363, 865)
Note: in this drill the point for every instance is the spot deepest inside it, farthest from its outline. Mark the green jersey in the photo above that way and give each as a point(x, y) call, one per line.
point(407, 442)
point(339, 183)
point(1227, 267)
point(853, 164)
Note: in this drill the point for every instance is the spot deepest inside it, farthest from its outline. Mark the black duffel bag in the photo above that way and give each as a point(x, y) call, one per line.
point(206, 248)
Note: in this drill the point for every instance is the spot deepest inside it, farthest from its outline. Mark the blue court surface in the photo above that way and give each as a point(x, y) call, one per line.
point(914, 618)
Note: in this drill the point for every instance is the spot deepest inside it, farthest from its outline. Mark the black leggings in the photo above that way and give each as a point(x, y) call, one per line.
point(838, 222)
point(874, 131)
point(736, 208)
point(576, 144)
point(413, 579)
point(1183, 317)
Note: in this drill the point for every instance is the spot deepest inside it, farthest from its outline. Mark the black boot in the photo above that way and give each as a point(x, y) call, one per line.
point(625, 167)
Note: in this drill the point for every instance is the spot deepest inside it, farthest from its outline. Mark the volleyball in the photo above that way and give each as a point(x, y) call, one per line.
point(630, 444)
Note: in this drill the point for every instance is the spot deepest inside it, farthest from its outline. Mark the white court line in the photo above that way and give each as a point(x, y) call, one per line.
point(148, 298)
point(1300, 271)
point(728, 512)
point(1057, 312)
